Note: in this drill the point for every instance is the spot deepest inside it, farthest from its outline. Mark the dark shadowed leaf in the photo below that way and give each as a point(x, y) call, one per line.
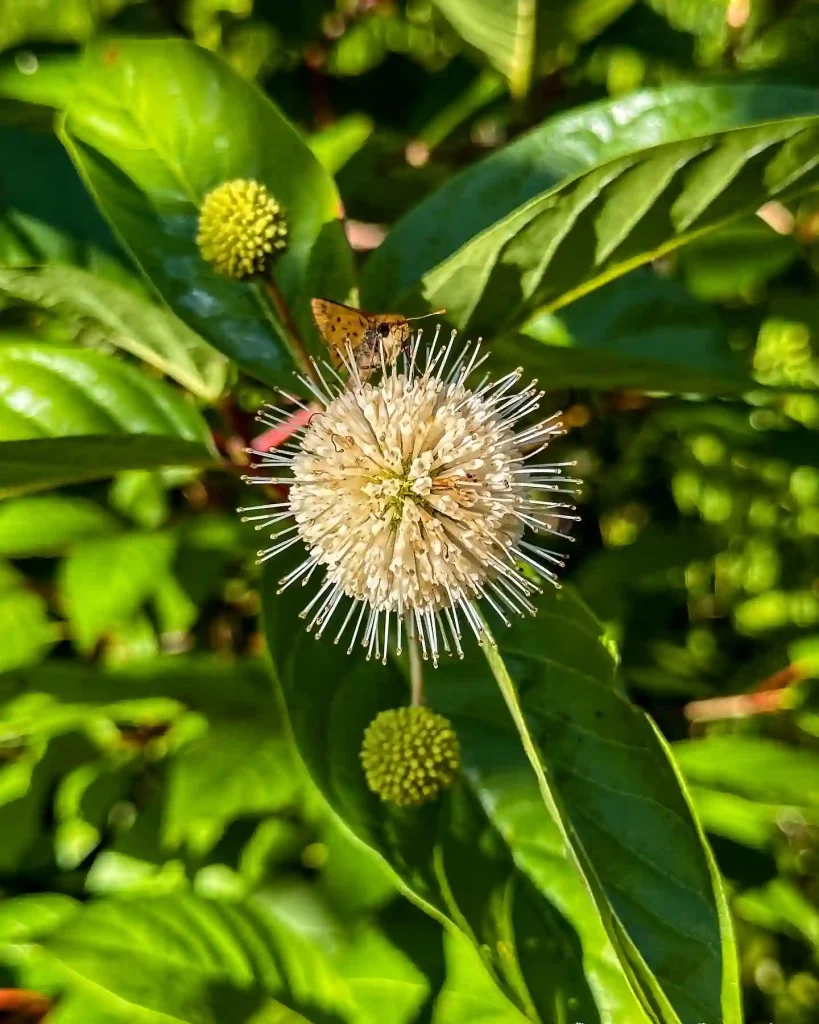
point(619, 799)
point(27, 466)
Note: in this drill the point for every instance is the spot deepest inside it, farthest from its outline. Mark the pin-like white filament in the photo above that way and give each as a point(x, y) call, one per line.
point(413, 494)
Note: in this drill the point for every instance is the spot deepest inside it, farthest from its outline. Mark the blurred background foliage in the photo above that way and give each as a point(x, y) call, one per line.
point(142, 750)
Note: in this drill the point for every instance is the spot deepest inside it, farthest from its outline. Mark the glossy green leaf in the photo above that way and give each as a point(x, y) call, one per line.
point(27, 466)
point(153, 126)
point(51, 391)
point(52, 398)
point(594, 228)
point(752, 766)
point(503, 30)
point(605, 773)
point(131, 564)
point(128, 320)
point(184, 958)
point(561, 148)
point(51, 523)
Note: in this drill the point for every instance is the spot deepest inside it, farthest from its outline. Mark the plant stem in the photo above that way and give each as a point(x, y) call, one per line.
point(291, 331)
point(416, 665)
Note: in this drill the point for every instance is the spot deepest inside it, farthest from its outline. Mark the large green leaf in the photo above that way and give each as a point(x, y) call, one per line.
point(504, 30)
point(561, 148)
point(27, 466)
point(451, 857)
point(603, 770)
point(594, 228)
point(51, 391)
point(182, 958)
point(153, 126)
point(128, 320)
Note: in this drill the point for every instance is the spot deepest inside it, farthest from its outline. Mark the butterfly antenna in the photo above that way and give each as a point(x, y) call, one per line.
point(436, 312)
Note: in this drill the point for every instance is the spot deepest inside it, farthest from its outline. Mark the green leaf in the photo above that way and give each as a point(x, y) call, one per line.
point(49, 524)
point(451, 857)
point(24, 622)
point(153, 126)
point(736, 261)
point(242, 766)
point(594, 228)
point(41, 78)
point(503, 30)
point(184, 958)
point(27, 466)
point(608, 776)
point(131, 564)
point(559, 149)
point(25, 917)
point(51, 391)
point(334, 145)
point(396, 973)
point(47, 216)
point(781, 907)
point(130, 322)
point(50, 395)
point(752, 766)
point(642, 331)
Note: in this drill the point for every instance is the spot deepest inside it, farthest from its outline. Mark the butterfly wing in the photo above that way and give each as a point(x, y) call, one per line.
point(340, 326)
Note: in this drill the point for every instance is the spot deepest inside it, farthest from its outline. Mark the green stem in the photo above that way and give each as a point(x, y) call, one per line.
point(416, 665)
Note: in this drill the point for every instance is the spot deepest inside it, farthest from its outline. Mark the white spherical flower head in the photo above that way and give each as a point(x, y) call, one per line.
point(413, 495)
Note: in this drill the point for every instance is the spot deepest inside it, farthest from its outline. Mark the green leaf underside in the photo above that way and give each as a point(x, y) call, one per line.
point(594, 228)
point(27, 466)
point(153, 126)
point(560, 149)
point(466, 856)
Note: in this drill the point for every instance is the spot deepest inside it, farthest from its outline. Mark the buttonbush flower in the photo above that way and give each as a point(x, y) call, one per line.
point(409, 755)
point(412, 496)
point(240, 227)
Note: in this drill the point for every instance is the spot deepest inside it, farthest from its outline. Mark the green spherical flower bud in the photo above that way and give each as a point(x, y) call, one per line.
point(241, 226)
point(409, 755)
